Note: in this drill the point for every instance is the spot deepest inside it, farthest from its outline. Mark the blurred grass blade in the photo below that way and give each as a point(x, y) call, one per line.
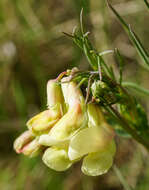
point(147, 4)
point(118, 16)
point(121, 178)
point(139, 47)
point(19, 97)
point(79, 4)
point(137, 43)
point(136, 87)
point(112, 73)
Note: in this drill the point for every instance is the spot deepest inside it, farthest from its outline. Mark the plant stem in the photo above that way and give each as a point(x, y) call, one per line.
point(128, 128)
point(121, 178)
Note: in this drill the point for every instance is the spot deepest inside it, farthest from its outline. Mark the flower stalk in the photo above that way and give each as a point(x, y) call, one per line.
point(128, 128)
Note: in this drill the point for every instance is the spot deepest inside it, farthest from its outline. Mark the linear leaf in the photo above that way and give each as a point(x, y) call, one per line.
point(137, 43)
point(147, 4)
point(136, 87)
point(120, 64)
point(141, 50)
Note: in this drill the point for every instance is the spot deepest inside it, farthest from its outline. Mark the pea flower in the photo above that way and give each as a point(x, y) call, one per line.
point(68, 131)
point(82, 131)
point(73, 119)
point(28, 142)
point(61, 133)
point(95, 142)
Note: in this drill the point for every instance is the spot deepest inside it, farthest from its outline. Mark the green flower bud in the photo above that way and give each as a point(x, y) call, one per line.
point(56, 159)
point(98, 88)
point(102, 92)
point(22, 140)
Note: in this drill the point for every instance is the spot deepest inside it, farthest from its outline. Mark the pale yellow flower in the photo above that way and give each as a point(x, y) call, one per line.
point(68, 131)
point(56, 159)
point(44, 121)
point(95, 141)
point(73, 119)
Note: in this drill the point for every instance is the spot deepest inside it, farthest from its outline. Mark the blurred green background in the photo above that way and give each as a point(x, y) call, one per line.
point(33, 50)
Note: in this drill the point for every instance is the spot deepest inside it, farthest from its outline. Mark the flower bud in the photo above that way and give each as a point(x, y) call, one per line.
point(56, 159)
point(72, 94)
point(72, 120)
point(101, 91)
point(43, 122)
point(32, 149)
point(98, 88)
point(22, 140)
point(54, 93)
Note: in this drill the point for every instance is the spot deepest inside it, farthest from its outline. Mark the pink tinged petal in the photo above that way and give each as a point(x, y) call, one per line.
point(22, 140)
point(72, 94)
point(56, 159)
point(32, 149)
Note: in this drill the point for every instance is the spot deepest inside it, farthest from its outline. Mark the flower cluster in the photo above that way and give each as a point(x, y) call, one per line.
point(68, 131)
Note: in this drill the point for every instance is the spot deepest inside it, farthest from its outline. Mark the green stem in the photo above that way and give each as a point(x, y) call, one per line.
point(128, 128)
point(136, 87)
point(121, 178)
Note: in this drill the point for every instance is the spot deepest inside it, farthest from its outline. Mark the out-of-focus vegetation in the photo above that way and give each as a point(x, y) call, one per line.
point(33, 49)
